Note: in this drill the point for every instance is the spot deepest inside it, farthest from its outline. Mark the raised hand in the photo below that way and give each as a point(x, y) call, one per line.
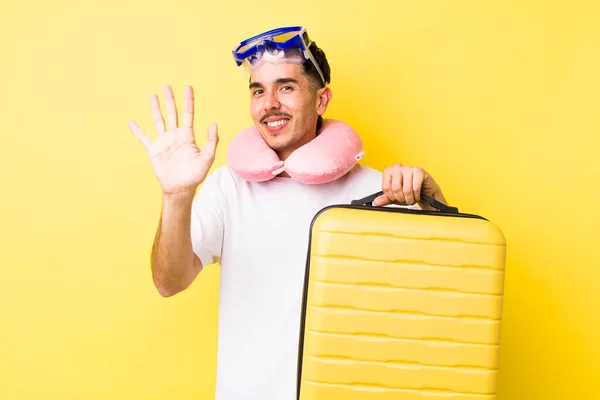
point(178, 163)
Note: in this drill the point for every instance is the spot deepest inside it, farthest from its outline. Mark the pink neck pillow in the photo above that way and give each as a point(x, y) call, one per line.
point(330, 155)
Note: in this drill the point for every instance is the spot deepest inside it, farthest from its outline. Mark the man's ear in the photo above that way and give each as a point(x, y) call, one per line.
point(323, 99)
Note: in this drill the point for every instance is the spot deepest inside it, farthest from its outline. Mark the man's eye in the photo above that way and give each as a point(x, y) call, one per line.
point(258, 91)
point(286, 88)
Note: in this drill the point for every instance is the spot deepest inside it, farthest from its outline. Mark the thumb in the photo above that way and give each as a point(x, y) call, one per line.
point(381, 200)
point(212, 140)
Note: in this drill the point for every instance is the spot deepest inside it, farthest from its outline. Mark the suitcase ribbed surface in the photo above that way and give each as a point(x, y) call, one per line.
point(401, 307)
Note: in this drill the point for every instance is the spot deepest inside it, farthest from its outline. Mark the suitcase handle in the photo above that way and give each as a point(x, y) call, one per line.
point(368, 201)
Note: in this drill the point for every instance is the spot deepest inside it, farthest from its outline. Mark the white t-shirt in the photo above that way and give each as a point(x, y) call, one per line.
point(259, 234)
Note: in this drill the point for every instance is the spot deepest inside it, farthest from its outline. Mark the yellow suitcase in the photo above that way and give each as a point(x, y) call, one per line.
point(401, 304)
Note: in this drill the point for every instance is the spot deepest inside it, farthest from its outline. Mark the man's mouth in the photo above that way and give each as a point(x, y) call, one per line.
point(276, 123)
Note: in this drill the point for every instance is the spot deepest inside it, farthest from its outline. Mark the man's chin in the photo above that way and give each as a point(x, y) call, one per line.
point(275, 139)
point(278, 142)
point(277, 145)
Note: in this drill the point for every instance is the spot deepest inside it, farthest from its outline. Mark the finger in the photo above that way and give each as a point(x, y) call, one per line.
point(137, 131)
point(382, 200)
point(397, 183)
point(170, 107)
point(386, 180)
point(386, 184)
point(407, 186)
point(418, 178)
point(188, 107)
point(157, 114)
point(212, 140)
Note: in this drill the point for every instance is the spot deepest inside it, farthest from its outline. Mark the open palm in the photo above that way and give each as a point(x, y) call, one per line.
point(178, 163)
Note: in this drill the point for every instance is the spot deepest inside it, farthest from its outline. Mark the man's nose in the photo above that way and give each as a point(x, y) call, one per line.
point(271, 101)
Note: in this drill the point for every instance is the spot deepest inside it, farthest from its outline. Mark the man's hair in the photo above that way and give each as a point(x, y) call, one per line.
point(313, 74)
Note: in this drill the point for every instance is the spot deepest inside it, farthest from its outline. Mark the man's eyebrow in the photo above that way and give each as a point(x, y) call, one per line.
point(286, 80)
point(278, 81)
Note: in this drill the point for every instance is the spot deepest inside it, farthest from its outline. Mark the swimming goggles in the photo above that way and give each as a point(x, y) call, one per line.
point(282, 45)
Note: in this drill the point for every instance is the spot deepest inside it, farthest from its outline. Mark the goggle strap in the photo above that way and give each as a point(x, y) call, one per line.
point(308, 53)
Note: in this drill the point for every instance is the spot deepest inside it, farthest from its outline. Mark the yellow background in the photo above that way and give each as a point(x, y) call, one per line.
point(498, 100)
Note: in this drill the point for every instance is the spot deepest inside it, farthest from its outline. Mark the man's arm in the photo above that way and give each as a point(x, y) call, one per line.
point(174, 264)
point(180, 167)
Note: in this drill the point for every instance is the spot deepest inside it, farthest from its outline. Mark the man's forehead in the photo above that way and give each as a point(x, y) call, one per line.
point(272, 73)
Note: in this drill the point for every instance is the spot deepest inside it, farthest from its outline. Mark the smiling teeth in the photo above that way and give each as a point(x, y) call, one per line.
point(276, 123)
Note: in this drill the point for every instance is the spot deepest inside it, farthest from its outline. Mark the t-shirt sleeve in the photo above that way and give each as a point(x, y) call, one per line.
point(207, 219)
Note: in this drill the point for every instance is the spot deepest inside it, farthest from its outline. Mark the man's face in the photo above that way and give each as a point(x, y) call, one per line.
point(284, 106)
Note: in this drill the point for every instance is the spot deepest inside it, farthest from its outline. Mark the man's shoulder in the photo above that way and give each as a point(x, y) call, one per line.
point(364, 175)
point(220, 182)
point(362, 181)
point(221, 172)
point(365, 172)
point(223, 176)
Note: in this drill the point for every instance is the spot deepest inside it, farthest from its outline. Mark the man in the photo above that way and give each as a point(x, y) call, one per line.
point(258, 232)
